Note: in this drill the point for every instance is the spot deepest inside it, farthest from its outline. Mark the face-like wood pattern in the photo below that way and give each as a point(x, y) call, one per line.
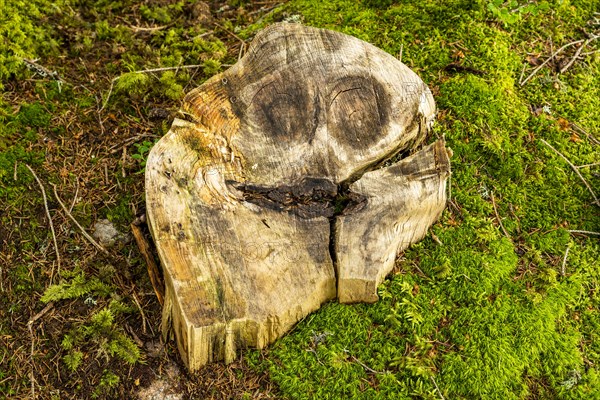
point(266, 199)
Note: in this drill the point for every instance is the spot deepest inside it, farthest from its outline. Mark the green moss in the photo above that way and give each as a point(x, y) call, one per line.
point(21, 33)
point(483, 315)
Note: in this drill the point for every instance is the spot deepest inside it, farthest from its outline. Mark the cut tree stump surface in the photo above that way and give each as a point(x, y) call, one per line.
point(278, 189)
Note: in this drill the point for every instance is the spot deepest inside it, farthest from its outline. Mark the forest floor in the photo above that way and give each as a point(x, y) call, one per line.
point(500, 300)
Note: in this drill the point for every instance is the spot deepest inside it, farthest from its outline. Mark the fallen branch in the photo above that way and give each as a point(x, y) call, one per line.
point(574, 168)
point(85, 234)
point(535, 71)
point(49, 221)
point(577, 53)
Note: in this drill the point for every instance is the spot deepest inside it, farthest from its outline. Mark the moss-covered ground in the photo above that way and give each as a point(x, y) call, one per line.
point(500, 301)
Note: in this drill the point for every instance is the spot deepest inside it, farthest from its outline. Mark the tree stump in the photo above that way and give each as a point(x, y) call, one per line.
point(277, 190)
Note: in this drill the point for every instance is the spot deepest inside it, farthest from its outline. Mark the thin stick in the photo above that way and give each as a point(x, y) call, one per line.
point(588, 165)
point(522, 73)
point(574, 168)
point(356, 360)
point(586, 133)
point(584, 232)
point(438, 389)
point(587, 53)
point(566, 67)
point(112, 82)
point(498, 215)
point(135, 299)
point(76, 194)
point(41, 313)
point(535, 71)
point(564, 263)
point(32, 348)
point(241, 53)
point(149, 29)
point(49, 220)
point(85, 234)
point(31, 351)
point(230, 33)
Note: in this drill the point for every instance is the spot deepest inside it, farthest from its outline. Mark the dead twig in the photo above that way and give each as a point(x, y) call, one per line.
point(584, 232)
point(136, 29)
point(139, 306)
point(574, 168)
point(230, 33)
point(498, 215)
point(535, 71)
point(586, 133)
point(438, 389)
point(40, 314)
point(32, 348)
point(564, 263)
point(577, 53)
point(49, 220)
point(44, 72)
point(366, 367)
point(85, 234)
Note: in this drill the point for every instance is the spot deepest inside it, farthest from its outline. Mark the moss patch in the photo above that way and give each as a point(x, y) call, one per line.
point(492, 312)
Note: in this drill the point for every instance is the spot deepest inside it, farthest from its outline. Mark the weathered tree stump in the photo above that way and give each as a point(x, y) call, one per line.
point(270, 196)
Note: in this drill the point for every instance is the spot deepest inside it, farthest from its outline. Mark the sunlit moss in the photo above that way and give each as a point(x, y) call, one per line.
point(483, 315)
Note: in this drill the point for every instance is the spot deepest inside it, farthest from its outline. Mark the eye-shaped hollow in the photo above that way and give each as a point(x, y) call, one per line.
point(286, 110)
point(358, 111)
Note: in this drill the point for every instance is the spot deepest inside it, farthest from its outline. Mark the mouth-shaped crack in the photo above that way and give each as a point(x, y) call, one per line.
point(318, 197)
point(311, 198)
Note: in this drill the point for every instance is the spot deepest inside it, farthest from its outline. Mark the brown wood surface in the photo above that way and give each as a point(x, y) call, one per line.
point(274, 173)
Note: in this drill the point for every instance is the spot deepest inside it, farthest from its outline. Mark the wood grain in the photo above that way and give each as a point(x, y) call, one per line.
point(273, 173)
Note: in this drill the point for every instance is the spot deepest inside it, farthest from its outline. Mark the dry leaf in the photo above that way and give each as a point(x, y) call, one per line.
point(533, 60)
point(575, 138)
point(563, 124)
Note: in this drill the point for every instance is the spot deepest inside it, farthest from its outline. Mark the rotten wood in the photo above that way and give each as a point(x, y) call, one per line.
point(153, 269)
point(283, 187)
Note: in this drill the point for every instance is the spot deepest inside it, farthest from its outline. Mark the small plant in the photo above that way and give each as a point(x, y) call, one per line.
point(101, 334)
point(142, 153)
point(77, 286)
point(510, 12)
point(108, 382)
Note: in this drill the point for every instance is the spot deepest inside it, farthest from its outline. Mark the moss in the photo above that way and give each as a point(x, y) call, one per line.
point(483, 315)
point(21, 33)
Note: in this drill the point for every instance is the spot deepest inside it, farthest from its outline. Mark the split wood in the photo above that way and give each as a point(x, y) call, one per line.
point(153, 271)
